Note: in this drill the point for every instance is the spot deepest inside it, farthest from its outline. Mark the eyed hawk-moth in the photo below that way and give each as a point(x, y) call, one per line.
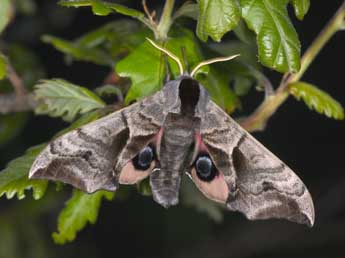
point(178, 130)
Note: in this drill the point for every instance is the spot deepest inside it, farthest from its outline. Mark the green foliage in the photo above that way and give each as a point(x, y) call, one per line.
point(5, 13)
point(317, 99)
point(104, 8)
point(217, 17)
point(59, 98)
point(79, 51)
point(81, 209)
point(14, 179)
point(104, 45)
point(3, 67)
point(277, 40)
point(301, 7)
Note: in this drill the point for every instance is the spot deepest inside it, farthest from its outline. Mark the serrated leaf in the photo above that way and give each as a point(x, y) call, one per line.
point(317, 99)
point(279, 47)
point(5, 13)
point(3, 66)
point(216, 17)
point(14, 178)
point(81, 209)
point(146, 79)
point(59, 98)
point(301, 8)
point(192, 197)
point(104, 8)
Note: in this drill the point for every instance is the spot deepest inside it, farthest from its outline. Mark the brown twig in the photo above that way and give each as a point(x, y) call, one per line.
point(9, 103)
point(18, 101)
point(257, 121)
point(150, 16)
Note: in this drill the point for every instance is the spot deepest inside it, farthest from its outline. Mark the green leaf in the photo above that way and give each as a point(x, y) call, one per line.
point(188, 9)
point(14, 178)
point(78, 51)
point(144, 187)
point(3, 66)
point(218, 85)
point(301, 8)
point(147, 79)
point(317, 99)
point(279, 47)
point(216, 17)
point(104, 8)
point(192, 197)
point(109, 90)
point(81, 209)
point(5, 13)
point(104, 45)
point(61, 98)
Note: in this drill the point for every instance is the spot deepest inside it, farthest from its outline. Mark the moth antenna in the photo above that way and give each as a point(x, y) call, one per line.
point(184, 56)
point(167, 52)
point(211, 61)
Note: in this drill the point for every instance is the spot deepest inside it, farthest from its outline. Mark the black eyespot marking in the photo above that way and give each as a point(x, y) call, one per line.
point(143, 160)
point(205, 169)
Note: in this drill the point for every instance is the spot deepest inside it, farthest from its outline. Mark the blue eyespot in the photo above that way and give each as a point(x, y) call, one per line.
point(205, 169)
point(143, 160)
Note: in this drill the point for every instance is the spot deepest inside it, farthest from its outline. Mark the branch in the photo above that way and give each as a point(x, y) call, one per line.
point(257, 121)
point(165, 20)
point(9, 103)
point(20, 100)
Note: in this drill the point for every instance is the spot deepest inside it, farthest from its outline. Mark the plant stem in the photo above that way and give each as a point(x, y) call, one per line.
point(165, 21)
point(257, 121)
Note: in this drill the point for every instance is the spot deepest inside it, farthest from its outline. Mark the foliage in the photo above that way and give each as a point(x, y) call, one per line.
point(14, 179)
point(79, 210)
point(317, 99)
point(263, 34)
point(61, 98)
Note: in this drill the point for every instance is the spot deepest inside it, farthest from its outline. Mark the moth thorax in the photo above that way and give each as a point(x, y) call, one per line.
point(189, 93)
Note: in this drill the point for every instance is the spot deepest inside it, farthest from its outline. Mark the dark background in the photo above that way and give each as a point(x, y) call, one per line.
point(311, 144)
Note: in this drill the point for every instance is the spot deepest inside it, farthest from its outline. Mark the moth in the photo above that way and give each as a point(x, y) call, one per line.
point(178, 130)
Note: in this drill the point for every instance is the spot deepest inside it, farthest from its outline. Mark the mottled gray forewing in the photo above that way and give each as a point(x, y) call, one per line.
point(266, 187)
point(86, 158)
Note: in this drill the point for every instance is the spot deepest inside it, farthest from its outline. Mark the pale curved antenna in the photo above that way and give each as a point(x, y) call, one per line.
point(171, 55)
point(211, 61)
